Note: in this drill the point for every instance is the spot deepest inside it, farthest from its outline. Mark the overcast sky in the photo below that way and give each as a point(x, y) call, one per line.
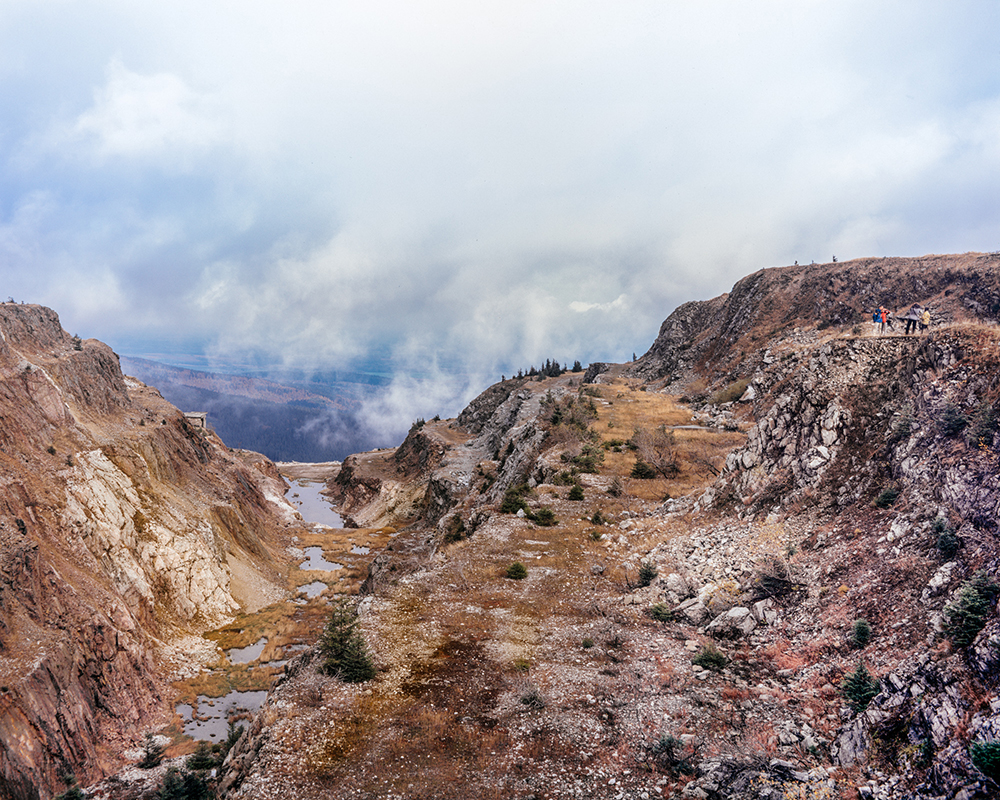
point(473, 185)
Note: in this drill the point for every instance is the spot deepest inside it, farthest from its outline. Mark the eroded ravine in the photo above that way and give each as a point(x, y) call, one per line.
point(250, 653)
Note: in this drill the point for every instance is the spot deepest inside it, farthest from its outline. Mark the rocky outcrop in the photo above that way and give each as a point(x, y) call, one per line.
point(857, 415)
point(724, 337)
point(117, 520)
point(914, 723)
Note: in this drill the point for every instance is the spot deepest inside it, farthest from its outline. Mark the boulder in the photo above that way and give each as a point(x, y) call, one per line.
point(736, 622)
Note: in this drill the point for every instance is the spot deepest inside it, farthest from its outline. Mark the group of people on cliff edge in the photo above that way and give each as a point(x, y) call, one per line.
point(916, 316)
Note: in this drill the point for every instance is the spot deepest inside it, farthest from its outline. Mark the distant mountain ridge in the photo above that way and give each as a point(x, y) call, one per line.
point(157, 374)
point(284, 422)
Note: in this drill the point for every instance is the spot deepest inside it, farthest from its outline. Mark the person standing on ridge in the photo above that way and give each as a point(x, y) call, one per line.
point(884, 319)
point(912, 318)
point(925, 320)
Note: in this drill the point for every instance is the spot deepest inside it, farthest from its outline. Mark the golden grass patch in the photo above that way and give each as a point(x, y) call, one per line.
point(701, 452)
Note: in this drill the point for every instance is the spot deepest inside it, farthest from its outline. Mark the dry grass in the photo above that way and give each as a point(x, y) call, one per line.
point(622, 409)
point(781, 656)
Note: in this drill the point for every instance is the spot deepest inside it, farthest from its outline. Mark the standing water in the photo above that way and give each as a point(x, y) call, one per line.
point(312, 505)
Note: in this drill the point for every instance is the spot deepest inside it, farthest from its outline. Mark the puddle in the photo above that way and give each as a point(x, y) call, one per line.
point(244, 655)
point(314, 589)
point(208, 719)
point(313, 506)
point(360, 550)
point(315, 560)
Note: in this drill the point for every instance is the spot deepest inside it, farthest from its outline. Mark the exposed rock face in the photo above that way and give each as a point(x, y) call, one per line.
point(730, 334)
point(432, 472)
point(116, 522)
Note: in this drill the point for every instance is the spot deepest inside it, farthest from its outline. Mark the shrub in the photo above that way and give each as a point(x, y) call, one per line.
point(517, 571)
point(966, 615)
point(617, 487)
point(901, 424)
point(532, 698)
point(859, 688)
point(658, 449)
point(667, 755)
point(455, 530)
point(695, 393)
point(772, 578)
point(513, 499)
point(662, 612)
point(953, 421)
point(587, 643)
point(589, 460)
point(152, 753)
point(73, 792)
point(598, 518)
point(642, 471)
point(343, 648)
point(545, 517)
point(887, 497)
point(861, 633)
point(947, 543)
point(710, 657)
point(986, 758)
point(575, 492)
point(647, 573)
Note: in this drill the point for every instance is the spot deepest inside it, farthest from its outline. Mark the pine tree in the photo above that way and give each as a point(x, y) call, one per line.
point(152, 753)
point(343, 647)
point(195, 787)
point(966, 615)
point(173, 786)
point(859, 687)
point(201, 758)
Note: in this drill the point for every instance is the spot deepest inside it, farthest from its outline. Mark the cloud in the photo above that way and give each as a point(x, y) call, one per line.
point(469, 190)
point(146, 116)
point(581, 308)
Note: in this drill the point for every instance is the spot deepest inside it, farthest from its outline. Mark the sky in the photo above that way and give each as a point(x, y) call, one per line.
point(455, 190)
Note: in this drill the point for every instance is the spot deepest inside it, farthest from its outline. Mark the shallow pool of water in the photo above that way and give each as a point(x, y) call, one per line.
point(208, 718)
point(314, 589)
point(313, 506)
point(244, 655)
point(315, 560)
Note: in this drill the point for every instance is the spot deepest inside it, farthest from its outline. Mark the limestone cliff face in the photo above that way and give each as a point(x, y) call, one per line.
point(117, 522)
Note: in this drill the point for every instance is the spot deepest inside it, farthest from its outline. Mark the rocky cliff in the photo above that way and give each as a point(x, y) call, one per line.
point(729, 335)
point(122, 527)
